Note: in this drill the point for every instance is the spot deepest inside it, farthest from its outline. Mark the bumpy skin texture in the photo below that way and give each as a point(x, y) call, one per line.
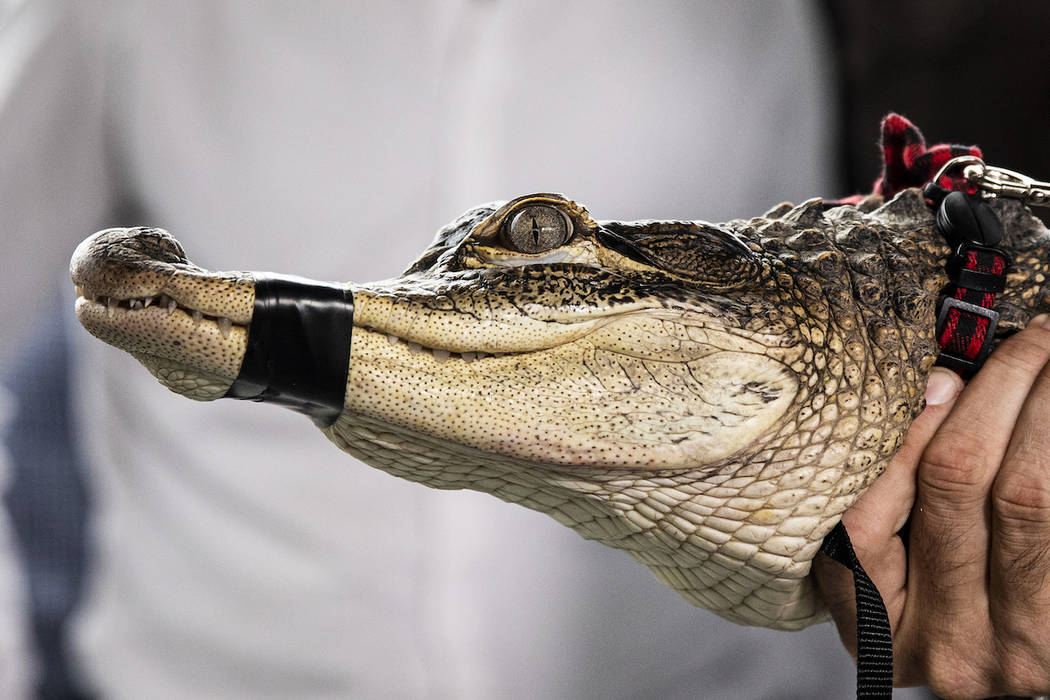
point(709, 399)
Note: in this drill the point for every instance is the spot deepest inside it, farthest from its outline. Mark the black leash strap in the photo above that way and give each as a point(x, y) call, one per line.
point(874, 640)
point(977, 270)
point(298, 352)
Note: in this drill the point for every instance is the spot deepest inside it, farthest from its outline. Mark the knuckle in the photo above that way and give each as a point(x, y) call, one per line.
point(954, 466)
point(1020, 506)
point(1020, 500)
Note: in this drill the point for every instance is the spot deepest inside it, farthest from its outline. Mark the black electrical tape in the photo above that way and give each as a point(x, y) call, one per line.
point(298, 352)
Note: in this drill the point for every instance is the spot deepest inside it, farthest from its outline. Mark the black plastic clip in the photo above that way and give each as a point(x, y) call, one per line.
point(964, 366)
point(962, 217)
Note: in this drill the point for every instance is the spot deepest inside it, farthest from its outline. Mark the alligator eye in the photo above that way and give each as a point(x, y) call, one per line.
point(536, 229)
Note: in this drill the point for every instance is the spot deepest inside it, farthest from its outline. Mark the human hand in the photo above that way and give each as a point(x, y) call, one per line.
point(969, 599)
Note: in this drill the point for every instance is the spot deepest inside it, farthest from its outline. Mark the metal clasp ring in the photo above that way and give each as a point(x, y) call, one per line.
point(972, 168)
point(1001, 182)
point(998, 182)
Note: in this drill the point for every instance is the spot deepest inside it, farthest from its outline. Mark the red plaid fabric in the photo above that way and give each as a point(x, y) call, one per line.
point(907, 162)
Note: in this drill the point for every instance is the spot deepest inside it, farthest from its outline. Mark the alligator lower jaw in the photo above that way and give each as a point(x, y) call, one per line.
point(192, 353)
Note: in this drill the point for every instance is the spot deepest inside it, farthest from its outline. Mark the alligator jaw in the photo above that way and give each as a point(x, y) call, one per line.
point(189, 327)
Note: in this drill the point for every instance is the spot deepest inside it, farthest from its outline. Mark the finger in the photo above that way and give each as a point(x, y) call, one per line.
point(949, 531)
point(884, 508)
point(1020, 563)
point(881, 512)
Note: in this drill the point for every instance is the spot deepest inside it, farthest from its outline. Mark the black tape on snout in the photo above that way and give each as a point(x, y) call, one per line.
point(298, 351)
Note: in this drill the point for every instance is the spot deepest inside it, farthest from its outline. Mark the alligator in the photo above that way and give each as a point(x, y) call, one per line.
point(709, 398)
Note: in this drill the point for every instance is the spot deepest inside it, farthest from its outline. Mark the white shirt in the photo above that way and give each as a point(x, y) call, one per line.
point(237, 553)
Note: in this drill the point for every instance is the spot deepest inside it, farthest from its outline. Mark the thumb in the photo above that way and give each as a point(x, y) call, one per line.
point(874, 520)
point(885, 506)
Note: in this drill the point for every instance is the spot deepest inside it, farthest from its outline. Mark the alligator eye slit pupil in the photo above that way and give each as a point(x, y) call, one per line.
point(535, 232)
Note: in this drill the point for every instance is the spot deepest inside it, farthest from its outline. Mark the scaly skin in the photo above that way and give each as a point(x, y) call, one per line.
point(709, 399)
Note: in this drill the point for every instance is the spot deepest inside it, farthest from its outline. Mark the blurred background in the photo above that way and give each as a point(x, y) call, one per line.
point(153, 547)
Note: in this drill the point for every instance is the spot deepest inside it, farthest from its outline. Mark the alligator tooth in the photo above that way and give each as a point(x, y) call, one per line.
point(498, 354)
point(481, 355)
point(135, 304)
point(147, 301)
point(224, 326)
point(80, 290)
point(468, 356)
point(392, 338)
point(111, 305)
point(197, 316)
point(415, 348)
point(440, 355)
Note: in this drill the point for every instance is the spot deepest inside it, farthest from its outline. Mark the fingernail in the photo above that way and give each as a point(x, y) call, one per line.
point(943, 386)
point(1040, 321)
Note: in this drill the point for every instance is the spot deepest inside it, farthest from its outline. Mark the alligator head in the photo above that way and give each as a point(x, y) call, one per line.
point(709, 398)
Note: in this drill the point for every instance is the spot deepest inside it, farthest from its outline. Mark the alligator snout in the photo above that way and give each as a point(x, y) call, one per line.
point(136, 290)
point(207, 335)
point(126, 263)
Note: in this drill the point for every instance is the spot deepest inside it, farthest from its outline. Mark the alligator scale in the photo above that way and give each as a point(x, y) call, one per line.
point(708, 398)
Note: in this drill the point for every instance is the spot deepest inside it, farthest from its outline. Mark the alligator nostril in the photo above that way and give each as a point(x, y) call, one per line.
point(171, 245)
point(159, 241)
